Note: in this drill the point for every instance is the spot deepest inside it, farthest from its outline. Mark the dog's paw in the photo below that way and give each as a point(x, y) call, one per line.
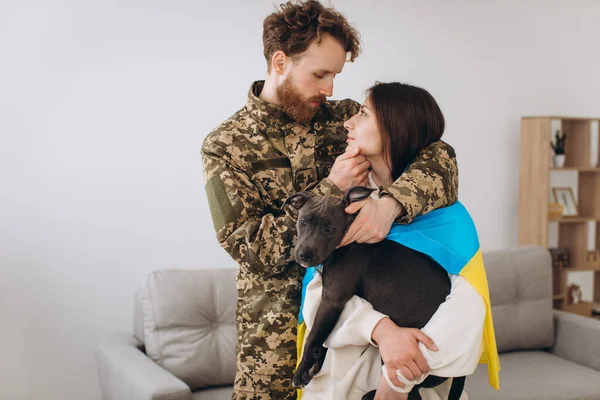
point(296, 382)
point(319, 359)
point(304, 374)
point(300, 380)
point(309, 367)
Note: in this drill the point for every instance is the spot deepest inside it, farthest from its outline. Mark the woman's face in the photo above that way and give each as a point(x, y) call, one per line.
point(363, 132)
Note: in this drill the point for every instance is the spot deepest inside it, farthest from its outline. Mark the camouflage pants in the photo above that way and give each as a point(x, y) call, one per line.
point(264, 396)
point(251, 386)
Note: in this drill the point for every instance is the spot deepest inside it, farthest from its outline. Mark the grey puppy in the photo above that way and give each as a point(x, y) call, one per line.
point(402, 283)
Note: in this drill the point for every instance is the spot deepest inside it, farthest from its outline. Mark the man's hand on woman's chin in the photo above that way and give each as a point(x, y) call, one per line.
point(350, 169)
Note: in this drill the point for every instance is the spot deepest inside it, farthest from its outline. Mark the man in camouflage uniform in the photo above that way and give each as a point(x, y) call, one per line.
point(284, 140)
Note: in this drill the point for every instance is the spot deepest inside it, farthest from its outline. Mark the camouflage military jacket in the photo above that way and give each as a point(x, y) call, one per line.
point(252, 162)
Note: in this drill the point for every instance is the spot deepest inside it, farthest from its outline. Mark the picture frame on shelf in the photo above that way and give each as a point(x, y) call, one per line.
point(564, 196)
point(593, 258)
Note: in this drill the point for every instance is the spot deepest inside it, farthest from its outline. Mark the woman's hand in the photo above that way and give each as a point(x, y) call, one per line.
point(399, 349)
point(373, 222)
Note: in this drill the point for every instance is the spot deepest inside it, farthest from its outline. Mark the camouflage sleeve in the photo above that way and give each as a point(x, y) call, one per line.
point(345, 109)
point(325, 187)
point(257, 240)
point(430, 182)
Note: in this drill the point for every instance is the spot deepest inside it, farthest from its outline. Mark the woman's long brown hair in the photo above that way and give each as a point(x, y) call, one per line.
point(409, 120)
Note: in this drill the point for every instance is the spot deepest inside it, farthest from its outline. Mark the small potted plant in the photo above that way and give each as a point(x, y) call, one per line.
point(559, 149)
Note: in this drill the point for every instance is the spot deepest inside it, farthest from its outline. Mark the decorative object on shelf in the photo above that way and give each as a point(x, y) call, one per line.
point(559, 149)
point(560, 257)
point(555, 211)
point(574, 294)
point(593, 258)
point(564, 196)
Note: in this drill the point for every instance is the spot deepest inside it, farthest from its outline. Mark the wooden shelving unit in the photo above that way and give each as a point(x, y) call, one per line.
point(535, 193)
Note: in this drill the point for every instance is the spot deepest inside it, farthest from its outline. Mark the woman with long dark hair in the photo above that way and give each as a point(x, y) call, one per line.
point(394, 124)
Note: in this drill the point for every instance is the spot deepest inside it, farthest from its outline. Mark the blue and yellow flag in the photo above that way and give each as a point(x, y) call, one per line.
point(448, 235)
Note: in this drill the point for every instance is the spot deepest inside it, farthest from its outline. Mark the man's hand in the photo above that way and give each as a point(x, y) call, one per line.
point(385, 392)
point(350, 169)
point(374, 221)
point(399, 349)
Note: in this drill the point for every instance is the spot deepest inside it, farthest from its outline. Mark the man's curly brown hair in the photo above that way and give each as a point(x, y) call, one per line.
point(296, 24)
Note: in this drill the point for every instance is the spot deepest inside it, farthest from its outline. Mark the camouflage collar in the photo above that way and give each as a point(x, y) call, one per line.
point(264, 112)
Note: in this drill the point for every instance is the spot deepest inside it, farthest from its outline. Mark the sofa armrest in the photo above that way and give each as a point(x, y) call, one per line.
point(125, 372)
point(577, 339)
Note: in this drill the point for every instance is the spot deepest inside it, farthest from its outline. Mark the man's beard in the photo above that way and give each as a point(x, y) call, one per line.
point(296, 106)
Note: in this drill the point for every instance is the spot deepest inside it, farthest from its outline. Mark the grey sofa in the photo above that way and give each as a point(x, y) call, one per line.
point(183, 339)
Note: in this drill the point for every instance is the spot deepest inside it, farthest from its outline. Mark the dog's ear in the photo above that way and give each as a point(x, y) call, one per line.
point(357, 193)
point(297, 200)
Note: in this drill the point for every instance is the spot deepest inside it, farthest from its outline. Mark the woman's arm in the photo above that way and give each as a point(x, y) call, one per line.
point(456, 328)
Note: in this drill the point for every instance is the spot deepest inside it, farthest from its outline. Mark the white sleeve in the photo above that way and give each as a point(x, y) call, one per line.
point(457, 330)
point(356, 323)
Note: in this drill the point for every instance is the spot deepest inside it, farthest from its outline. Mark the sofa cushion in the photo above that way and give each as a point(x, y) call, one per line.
point(520, 283)
point(536, 375)
point(189, 324)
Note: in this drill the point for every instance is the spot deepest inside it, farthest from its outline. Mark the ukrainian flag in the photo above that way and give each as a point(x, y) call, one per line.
point(448, 235)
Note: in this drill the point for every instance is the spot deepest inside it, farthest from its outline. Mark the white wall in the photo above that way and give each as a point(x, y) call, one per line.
point(104, 106)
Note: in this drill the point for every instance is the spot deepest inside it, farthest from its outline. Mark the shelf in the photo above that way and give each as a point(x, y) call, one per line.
point(581, 169)
point(559, 117)
point(582, 268)
point(536, 180)
point(573, 220)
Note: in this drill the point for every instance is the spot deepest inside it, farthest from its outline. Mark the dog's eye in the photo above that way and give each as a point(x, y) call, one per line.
point(330, 229)
point(302, 222)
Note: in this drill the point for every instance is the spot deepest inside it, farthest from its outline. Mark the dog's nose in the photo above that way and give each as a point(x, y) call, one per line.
point(306, 256)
